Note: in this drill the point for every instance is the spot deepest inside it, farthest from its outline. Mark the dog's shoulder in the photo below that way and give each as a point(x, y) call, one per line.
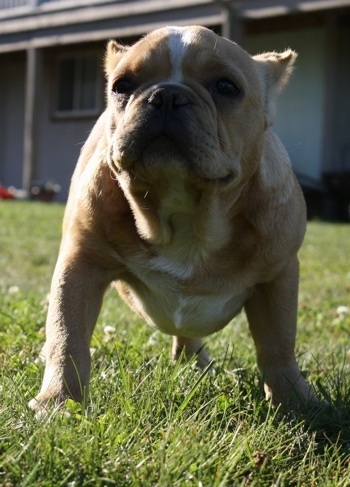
point(95, 197)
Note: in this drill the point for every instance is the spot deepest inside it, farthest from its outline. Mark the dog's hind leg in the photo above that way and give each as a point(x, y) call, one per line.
point(190, 347)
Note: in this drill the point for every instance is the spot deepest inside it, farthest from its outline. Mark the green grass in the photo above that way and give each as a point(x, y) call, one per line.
point(153, 423)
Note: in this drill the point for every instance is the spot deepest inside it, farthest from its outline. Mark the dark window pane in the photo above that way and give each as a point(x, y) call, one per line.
point(88, 82)
point(66, 75)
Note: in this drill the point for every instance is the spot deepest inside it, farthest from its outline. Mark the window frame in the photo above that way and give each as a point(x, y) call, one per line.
point(77, 113)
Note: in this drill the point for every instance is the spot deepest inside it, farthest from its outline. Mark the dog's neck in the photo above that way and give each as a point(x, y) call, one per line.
point(174, 214)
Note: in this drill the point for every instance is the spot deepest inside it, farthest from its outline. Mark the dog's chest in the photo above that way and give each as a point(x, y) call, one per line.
point(182, 299)
point(182, 284)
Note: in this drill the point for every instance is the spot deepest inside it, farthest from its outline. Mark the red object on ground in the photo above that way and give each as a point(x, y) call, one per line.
point(5, 194)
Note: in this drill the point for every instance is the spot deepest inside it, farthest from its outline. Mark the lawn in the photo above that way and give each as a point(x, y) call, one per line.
point(153, 423)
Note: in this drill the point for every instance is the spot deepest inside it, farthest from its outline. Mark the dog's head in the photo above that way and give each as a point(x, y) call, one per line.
point(186, 104)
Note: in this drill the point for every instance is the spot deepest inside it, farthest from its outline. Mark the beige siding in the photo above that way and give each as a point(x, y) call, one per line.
point(301, 108)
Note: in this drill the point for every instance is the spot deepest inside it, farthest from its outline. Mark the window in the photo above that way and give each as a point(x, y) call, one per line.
point(78, 85)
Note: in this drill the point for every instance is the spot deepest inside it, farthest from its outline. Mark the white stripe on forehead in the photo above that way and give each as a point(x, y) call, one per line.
point(179, 40)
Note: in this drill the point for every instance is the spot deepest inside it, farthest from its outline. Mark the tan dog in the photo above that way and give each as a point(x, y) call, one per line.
point(186, 200)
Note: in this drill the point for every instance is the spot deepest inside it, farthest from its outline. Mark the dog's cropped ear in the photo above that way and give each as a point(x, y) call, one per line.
point(113, 54)
point(276, 69)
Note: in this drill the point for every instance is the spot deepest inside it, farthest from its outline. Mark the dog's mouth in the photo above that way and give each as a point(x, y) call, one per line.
point(149, 159)
point(142, 180)
point(165, 155)
point(222, 180)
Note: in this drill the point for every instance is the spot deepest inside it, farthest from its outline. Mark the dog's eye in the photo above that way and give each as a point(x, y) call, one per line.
point(123, 86)
point(226, 87)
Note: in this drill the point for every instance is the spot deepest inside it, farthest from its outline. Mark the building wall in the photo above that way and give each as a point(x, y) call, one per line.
point(300, 117)
point(301, 107)
point(59, 147)
point(339, 159)
point(59, 140)
point(299, 121)
point(12, 77)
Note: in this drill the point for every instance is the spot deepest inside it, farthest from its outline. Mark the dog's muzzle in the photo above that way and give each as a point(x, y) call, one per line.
point(169, 98)
point(165, 127)
point(167, 108)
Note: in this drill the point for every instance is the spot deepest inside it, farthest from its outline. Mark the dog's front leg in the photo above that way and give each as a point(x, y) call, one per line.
point(272, 316)
point(74, 304)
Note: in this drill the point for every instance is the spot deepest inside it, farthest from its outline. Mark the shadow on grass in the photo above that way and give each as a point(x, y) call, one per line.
point(330, 423)
point(327, 423)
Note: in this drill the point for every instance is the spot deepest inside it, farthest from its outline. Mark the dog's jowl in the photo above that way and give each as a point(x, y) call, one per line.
point(184, 199)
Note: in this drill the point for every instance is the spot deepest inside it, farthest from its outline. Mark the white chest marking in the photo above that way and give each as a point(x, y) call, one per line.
point(178, 314)
point(192, 316)
point(178, 43)
point(202, 315)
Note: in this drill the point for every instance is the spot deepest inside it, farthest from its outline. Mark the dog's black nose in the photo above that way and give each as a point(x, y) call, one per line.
point(168, 97)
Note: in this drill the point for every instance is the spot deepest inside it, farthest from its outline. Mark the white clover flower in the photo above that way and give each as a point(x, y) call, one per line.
point(342, 310)
point(13, 289)
point(109, 330)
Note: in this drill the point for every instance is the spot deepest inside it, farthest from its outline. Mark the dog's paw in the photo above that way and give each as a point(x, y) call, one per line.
point(43, 404)
point(291, 394)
